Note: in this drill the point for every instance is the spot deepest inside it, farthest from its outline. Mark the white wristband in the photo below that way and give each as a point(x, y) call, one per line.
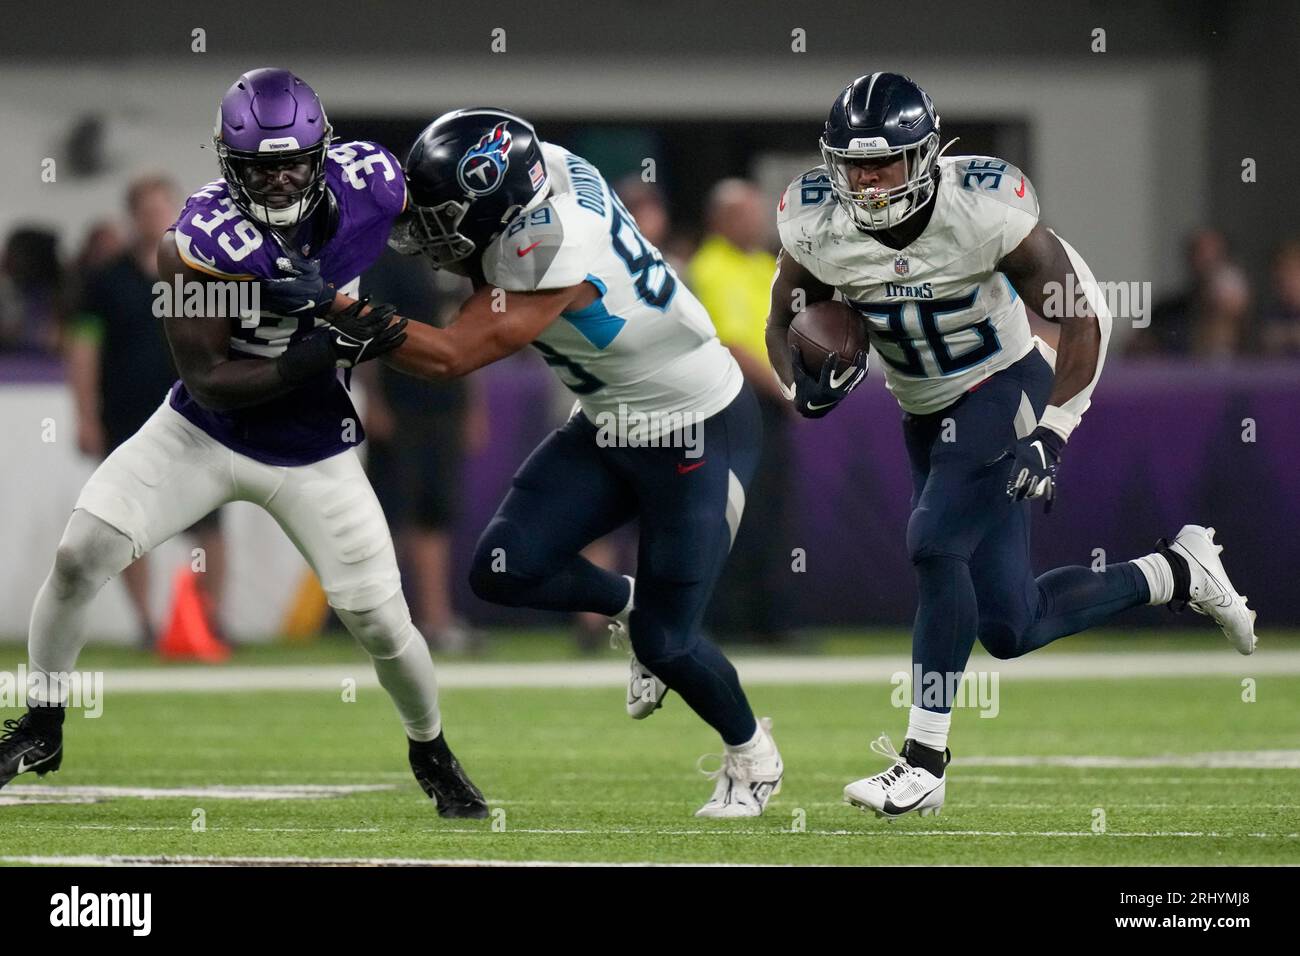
point(1059, 420)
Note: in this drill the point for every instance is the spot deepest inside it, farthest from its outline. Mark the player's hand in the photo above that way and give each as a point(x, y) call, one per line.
point(349, 339)
point(300, 289)
point(815, 397)
point(1033, 471)
point(358, 335)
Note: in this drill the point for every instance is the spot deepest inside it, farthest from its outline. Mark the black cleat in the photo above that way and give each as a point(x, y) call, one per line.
point(30, 744)
point(441, 776)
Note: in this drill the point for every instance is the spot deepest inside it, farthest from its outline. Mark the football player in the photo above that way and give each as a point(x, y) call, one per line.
point(259, 413)
point(941, 256)
point(664, 427)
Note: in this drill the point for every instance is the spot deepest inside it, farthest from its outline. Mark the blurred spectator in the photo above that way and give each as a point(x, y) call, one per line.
point(1174, 318)
point(732, 275)
point(646, 202)
point(120, 367)
point(104, 242)
point(419, 434)
point(1280, 332)
point(32, 294)
point(1222, 321)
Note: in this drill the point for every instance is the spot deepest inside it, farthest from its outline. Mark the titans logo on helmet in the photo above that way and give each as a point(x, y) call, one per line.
point(482, 168)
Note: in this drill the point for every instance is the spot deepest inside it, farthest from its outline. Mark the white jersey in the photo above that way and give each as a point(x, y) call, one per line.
point(646, 350)
point(939, 315)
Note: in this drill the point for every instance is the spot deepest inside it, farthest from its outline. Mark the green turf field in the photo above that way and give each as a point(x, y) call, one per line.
point(570, 778)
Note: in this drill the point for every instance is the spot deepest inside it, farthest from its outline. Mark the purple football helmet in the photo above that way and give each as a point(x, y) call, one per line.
point(271, 136)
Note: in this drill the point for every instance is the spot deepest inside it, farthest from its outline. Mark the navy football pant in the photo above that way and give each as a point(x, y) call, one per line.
point(969, 542)
point(571, 491)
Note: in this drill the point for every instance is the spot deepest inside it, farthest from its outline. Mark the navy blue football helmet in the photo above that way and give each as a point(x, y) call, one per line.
point(468, 175)
point(882, 116)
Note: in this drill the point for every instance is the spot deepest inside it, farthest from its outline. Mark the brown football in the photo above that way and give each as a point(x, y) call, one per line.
point(823, 328)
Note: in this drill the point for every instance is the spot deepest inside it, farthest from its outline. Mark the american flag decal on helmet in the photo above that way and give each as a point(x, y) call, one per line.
point(537, 174)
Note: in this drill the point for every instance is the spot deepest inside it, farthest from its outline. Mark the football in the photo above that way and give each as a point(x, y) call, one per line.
point(823, 328)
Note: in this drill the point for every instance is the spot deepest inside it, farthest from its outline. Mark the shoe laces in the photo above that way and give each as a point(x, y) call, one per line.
point(11, 728)
point(884, 747)
point(618, 636)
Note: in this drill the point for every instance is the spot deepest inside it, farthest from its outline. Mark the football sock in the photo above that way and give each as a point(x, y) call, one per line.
point(45, 717)
point(929, 728)
point(1182, 590)
point(926, 758)
point(402, 663)
point(1157, 570)
point(90, 553)
point(410, 680)
point(437, 746)
point(754, 744)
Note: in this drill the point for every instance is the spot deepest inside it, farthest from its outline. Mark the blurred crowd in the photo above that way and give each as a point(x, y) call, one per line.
point(93, 312)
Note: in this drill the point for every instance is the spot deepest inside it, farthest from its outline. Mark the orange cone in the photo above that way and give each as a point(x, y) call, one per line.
point(189, 635)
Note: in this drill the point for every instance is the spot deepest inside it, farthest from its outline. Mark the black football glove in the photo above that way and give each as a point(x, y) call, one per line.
point(350, 339)
point(298, 290)
point(1033, 470)
point(815, 397)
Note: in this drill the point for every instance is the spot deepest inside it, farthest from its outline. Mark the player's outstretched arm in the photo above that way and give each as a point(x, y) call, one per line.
point(491, 324)
point(793, 288)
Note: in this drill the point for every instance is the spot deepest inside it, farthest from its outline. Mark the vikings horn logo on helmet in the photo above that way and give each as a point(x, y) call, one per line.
point(482, 168)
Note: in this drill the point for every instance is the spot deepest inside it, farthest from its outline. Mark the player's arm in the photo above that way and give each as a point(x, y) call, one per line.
point(200, 347)
point(481, 333)
point(791, 279)
point(1044, 266)
point(1036, 267)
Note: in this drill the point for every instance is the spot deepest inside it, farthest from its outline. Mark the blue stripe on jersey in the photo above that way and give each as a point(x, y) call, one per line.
point(594, 323)
point(1014, 295)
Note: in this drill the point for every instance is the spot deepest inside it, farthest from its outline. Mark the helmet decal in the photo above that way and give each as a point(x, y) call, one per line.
point(482, 169)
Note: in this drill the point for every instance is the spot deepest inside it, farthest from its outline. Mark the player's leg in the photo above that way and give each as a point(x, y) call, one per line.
point(1019, 613)
point(690, 510)
point(331, 514)
point(154, 485)
point(564, 496)
point(960, 496)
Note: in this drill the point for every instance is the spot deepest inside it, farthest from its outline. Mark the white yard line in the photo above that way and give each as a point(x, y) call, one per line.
point(753, 670)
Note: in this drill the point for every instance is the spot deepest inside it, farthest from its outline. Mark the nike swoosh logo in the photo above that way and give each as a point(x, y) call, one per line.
point(199, 255)
point(24, 766)
point(683, 469)
point(311, 303)
point(1021, 191)
point(818, 408)
point(848, 372)
point(891, 807)
point(527, 249)
point(1041, 454)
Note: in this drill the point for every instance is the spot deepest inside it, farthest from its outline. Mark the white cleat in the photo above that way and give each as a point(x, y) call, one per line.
point(745, 781)
point(1212, 594)
point(900, 789)
point(645, 692)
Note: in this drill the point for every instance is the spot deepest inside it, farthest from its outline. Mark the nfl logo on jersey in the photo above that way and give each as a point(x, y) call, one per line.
point(901, 265)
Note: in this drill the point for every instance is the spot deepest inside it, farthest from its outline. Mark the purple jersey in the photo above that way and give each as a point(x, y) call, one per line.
point(366, 192)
